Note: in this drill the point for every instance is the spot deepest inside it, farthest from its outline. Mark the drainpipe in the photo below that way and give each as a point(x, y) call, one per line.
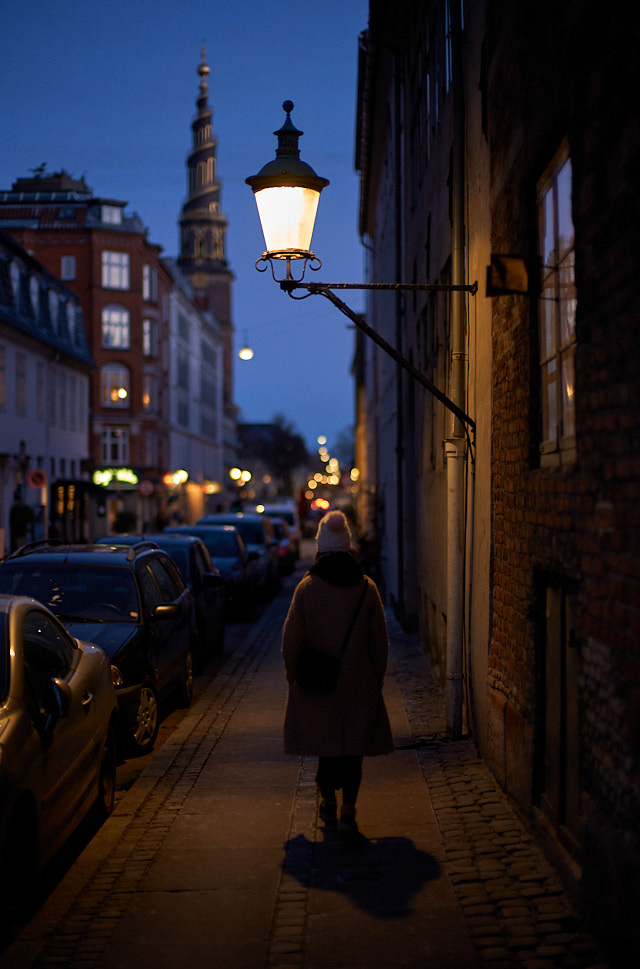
point(455, 445)
point(399, 314)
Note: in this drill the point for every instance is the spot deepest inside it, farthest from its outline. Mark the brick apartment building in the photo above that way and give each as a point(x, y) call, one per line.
point(103, 254)
point(160, 331)
point(507, 132)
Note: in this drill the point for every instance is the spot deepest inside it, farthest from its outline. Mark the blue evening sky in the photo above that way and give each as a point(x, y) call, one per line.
point(107, 91)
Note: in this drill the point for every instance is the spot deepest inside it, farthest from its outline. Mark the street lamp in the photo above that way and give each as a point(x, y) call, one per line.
point(287, 192)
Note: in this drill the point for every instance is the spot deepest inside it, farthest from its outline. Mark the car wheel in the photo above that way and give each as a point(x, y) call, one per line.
point(147, 719)
point(186, 683)
point(105, 798)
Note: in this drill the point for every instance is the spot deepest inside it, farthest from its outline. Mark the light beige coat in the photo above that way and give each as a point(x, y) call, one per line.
point(353, 719)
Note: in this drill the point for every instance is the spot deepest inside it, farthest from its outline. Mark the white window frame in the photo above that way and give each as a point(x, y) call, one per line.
point(150, 284)
point(115, 270)
point(111, 214)
point(116, 327)
point(115, 446)
point(557, 312)
point(114, 378)
point(68, 267)
point(149, 337)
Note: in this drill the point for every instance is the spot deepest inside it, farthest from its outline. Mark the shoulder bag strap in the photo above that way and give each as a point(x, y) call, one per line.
point(355, 616)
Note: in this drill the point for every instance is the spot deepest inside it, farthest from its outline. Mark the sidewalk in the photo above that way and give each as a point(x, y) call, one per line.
point(215, 857)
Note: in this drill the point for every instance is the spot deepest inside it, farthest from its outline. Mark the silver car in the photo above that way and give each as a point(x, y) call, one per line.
point(58, 710)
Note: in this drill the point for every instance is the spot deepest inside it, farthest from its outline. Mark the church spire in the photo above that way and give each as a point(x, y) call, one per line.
point(203, 230)
point(203, 227)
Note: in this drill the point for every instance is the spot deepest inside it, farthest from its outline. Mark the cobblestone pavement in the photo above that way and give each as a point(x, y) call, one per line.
point(514, 904)
point(504, 893)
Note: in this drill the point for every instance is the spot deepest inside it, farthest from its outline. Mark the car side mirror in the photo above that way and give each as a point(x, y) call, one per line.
point(57, 703)
point(213, 580)
point(166, 610)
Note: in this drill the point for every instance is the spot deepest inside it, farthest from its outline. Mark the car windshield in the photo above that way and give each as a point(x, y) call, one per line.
point(250, 531)
point(221, 544)
point(75, 591)
point(4, 658)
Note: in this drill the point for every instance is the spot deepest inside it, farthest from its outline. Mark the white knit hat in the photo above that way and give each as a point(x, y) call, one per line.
point(333, 533)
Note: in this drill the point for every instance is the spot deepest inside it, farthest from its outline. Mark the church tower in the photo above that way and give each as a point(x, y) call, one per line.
point(203, 229)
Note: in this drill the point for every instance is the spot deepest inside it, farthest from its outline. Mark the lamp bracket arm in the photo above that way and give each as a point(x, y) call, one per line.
point(325, 289)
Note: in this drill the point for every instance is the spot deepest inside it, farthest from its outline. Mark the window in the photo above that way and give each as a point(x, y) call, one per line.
point(15, 283)
point(73, 402)
point(557, 312)
point(182, 369)
point(116, 327)
point(53, 309)
point(34, 290)
point(115, 446)
point(40, 389)
point(71, 321)
point(48, 652)
point(149, 393)
point(115, 270)
point(111, 214)
point(149, 338)
point(62, 389)
point(68, 267)
point(21, 384)
point(114, 385)
point(150, 284)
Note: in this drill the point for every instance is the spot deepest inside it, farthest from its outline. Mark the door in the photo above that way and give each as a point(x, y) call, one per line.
point(67, 749)
point(561, 781)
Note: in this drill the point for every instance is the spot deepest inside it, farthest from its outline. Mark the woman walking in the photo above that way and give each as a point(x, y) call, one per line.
point(337, 609)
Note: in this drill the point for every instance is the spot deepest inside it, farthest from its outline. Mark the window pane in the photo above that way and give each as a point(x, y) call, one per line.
point(567, 304)
point(568, 394)
point(548, 338)
point(565, 217)
point(115, 327)
point(547, 240)
point(549, 401)
point(114, 386)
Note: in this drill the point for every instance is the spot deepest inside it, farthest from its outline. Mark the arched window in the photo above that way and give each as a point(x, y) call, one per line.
point(116, 329)
point(114, 385)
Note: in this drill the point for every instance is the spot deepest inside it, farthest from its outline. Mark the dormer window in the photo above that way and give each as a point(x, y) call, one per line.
point(15, 283)
point(53, 309)
point(34, 290)
point(111, 214)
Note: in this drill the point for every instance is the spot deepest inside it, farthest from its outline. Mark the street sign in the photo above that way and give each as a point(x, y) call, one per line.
point(37, 478)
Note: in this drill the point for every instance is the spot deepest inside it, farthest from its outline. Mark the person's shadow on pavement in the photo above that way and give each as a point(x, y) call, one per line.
point(380, 876)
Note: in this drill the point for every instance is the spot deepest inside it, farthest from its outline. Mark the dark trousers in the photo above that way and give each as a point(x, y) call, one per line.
point(340, 772)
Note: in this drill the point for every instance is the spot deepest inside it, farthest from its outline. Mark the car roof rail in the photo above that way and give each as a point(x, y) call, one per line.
point(139, 547)
point(31, 546)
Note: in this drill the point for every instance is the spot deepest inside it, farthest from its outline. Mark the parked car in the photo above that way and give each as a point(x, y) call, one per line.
point(262, 545)
point(229, 554)
point(289, 513)
point(133, 603)
point(58, 713)
point(286, 546)
point(204, 580)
